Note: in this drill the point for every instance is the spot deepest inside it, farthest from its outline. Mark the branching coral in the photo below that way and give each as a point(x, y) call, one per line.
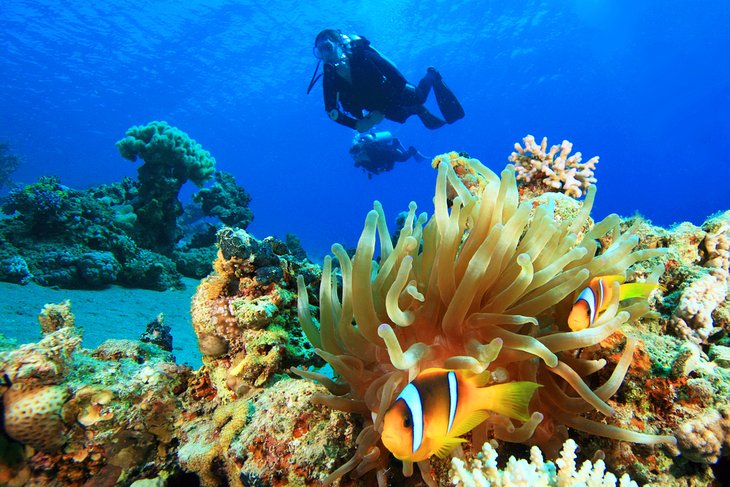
point(553, 170)
point(484, 284)
point(483, 471)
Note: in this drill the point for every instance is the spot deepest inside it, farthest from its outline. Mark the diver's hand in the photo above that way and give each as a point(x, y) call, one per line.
point(369, 121)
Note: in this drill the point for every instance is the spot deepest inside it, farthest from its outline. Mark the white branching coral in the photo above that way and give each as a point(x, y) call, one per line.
point(483, 471)
point(554, 170)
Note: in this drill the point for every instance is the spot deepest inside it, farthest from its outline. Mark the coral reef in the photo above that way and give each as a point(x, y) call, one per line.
point(485, 284)
point(243, 313)
point(280, 437)
point(123, 233)
point(171, 158)
point(70, 415)
point(706, 438)
point(226, 200)
point(57, 236)
point(540, 170)
point(483, 471)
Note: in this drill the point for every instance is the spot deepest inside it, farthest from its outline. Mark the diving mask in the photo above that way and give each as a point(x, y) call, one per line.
point(330, 51)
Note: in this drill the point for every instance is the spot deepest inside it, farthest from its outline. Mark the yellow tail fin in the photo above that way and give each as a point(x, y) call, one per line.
point(636, 290)
point(511, 399)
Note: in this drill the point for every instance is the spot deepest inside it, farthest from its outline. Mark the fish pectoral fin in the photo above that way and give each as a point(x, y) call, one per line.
point(636, 290)
point(447, 446)
point(479, 380)
point(471, 422)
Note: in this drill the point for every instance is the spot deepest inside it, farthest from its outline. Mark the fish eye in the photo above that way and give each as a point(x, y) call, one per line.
point(406, 422)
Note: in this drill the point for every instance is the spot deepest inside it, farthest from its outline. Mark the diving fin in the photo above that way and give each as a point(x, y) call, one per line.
point(449, 105)
point(430, 121)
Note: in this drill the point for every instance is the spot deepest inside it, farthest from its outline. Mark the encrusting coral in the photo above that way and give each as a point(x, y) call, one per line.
point(243, 313)
point(108, 414)
point(541, 170)
point(485, 284)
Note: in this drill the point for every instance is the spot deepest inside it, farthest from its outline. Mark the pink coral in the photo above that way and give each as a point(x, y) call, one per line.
point(706, 438)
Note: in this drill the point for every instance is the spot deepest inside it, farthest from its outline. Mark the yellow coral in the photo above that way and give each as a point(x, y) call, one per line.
point(485, 284)
point(33, 416)
point(90, 404)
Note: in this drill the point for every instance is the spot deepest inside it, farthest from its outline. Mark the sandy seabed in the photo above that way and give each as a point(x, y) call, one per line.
point(116, 312)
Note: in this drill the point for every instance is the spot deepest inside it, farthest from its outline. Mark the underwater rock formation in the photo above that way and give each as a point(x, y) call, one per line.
point(244, 313)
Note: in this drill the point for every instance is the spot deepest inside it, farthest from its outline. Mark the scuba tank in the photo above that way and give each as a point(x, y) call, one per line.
point(383, 136)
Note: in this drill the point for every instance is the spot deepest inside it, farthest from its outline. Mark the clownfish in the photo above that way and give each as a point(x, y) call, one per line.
point(439, 405)
point(596, 297)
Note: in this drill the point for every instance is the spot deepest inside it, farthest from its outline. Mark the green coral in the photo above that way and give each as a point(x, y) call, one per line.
point(226, 200)
point(171, 158)
point(168, 152)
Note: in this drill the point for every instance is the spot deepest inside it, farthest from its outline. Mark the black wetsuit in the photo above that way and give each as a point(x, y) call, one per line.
point(380, 156)
point(376, 85)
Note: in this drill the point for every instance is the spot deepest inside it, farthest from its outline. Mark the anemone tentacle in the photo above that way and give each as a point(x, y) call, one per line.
point(485, 284)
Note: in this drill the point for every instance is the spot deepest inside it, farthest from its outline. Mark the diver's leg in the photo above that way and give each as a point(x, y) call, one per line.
point(430, 121)
point(449, 105)
point(401, 154)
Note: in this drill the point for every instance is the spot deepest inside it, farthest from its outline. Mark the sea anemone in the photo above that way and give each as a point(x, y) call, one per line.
point(485, 284)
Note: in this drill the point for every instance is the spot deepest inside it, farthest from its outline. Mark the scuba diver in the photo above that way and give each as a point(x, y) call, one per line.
point(378, 152)
point(361, 87)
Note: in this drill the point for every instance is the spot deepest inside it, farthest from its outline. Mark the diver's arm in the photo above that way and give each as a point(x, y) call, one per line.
point(342, 118)
point(332, 102)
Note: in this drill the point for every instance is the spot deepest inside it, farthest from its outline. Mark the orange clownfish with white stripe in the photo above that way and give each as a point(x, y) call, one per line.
point(439, 405)
point(596, 297)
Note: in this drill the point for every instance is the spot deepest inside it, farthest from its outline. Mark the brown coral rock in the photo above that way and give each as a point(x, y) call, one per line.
point(290, 439)
point(706, 438)
point(56, 316)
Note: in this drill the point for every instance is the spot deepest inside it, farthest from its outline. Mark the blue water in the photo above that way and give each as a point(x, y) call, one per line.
point(643, 84)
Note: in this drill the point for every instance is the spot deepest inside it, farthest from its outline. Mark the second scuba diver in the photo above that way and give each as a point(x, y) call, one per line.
point(378, 152)
point(361, 87)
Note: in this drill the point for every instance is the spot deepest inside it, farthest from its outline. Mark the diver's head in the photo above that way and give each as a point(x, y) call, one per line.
point(331, 46)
